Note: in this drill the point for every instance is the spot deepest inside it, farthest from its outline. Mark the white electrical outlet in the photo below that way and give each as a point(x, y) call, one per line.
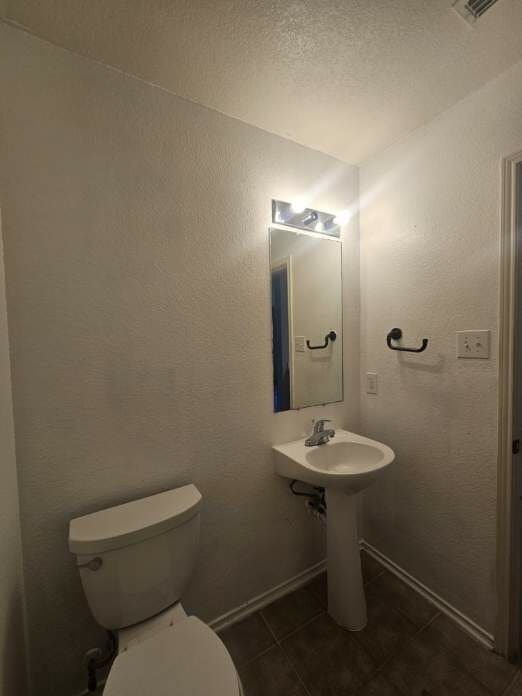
point(371, 383)
point(473, 344)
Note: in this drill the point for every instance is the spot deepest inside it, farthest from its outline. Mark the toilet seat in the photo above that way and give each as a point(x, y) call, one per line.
point(185, 659)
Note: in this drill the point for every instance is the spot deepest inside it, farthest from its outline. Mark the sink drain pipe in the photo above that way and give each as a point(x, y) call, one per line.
point(316, 503)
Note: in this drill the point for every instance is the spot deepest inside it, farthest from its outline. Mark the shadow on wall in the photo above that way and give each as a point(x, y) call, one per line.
point(13, 675)
point(436, 363)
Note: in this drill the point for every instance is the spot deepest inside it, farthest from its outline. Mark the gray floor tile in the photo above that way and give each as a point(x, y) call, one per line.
point(291, 611)
point(247, 639)
point(419, 669)
point(271, 674)
point(378, 686)
point(328, 659)
point(385, 631)
point(516, 688)
point(489, 669)
point(438, 660)
point(409, 664)
point(392, 590)
point(444, 677)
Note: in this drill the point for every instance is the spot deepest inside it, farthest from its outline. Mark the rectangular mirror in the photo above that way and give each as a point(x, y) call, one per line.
point(306, 283)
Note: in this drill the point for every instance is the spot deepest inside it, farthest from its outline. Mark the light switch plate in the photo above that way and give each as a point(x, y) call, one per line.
point(371, 383)
point(299, 344)
point(473, 344)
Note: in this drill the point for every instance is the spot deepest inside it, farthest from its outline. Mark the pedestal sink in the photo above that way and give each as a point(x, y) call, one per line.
point(344, 467)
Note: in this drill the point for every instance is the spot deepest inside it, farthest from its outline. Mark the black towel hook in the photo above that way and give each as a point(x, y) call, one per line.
point(329, 337)
point(396, 335)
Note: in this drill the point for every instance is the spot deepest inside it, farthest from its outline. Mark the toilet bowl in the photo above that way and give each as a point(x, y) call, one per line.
point(135, 561)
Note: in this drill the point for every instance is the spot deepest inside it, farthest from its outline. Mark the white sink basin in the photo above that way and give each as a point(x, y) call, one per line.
point(344, 466)
point(348, 462)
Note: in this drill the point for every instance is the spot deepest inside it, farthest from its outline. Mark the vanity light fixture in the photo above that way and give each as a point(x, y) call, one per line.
point(311, 216)
point(308, 219)
point(278, 218)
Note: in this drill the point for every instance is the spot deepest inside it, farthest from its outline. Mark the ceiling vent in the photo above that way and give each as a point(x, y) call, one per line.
point(472, 10)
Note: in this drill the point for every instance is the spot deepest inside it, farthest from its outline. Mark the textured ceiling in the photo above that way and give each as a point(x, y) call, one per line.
point(346, 77)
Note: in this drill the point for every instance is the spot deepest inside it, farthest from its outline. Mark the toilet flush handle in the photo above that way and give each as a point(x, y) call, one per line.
point(93, 564)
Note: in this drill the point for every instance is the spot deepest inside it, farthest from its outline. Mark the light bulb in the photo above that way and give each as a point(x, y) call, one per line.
point(342, 217)
point(298, 206)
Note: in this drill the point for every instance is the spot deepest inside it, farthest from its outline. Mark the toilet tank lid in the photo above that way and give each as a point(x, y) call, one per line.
point(133, 522)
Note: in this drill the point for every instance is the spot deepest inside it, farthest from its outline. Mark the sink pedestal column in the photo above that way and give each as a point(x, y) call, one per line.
point(346, 600)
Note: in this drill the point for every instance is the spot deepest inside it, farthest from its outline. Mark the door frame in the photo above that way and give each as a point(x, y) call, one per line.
point(507, 630)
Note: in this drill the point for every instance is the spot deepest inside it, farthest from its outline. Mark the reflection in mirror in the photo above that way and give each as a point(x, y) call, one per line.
point(306, 319)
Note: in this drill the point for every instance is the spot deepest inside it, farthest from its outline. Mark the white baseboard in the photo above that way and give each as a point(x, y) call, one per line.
point(267, 597)
point(467, 624)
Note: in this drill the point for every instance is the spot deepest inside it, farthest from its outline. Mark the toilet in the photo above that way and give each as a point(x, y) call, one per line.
point(135, 561)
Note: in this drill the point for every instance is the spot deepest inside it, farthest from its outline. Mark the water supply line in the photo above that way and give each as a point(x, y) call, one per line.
point(97, 659)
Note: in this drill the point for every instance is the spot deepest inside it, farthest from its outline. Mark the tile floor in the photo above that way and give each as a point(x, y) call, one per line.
point(292, 648)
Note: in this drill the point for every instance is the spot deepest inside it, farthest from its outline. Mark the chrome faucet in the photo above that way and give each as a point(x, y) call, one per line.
point(320, 435)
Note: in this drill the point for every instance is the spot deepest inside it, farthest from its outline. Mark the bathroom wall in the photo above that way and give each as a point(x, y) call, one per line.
point(430, 217)
point(136, 236)
point(12, 640)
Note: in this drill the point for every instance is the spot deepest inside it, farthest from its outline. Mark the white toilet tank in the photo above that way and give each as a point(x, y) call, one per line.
point(136, 559)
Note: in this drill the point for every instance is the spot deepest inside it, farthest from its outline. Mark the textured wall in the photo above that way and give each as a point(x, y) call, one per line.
point(12, 648)
point(136, 228)
point(429, 264)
